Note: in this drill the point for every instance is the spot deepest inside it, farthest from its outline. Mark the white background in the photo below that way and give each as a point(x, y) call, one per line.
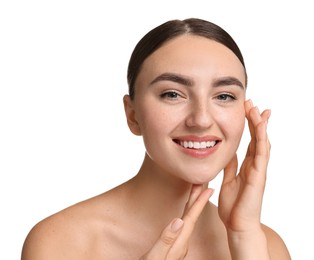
point(63, 135)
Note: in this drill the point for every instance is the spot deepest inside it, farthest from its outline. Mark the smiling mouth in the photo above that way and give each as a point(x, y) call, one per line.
point(196, 145)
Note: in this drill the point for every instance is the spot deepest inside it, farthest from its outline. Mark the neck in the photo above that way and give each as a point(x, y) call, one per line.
point(159, 196)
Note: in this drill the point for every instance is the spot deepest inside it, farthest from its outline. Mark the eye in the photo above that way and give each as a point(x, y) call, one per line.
point(226, 97)
point(170, 95)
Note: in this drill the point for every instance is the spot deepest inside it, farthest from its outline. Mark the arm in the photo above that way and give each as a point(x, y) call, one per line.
point(241, 195)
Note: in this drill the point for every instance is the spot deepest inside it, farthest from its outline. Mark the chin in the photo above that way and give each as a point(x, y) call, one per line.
point(201, 178)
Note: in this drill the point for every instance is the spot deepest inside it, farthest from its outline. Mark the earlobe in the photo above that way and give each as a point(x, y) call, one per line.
point(130, 115)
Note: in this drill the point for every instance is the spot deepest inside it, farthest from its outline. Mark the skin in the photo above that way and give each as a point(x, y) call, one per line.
point(191, 88)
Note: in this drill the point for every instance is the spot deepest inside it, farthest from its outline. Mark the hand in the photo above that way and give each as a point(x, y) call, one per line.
point(173, 241)
point(241, 195)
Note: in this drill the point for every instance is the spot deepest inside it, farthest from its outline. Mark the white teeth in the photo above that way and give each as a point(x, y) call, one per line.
point(197, 145)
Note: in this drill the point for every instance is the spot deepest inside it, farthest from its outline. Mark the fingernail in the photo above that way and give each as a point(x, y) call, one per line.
point(249, 101)
point(176, 225)
point(212, 191)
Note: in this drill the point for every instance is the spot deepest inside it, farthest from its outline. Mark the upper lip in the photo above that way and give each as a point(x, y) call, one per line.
point(193, 138)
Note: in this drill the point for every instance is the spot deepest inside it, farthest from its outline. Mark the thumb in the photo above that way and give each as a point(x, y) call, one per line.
point(166, 240)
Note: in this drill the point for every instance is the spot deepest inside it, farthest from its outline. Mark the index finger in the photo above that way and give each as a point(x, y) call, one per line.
point(190, 218)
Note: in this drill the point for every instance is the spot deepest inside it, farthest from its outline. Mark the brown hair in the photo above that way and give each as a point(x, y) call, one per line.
point(155, 38)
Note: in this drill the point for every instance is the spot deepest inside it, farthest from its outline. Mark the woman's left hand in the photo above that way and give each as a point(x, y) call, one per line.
point(241, 194)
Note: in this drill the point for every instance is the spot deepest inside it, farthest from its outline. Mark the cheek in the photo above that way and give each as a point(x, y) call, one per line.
point(155, 125)
point(155, 121)
point(232, 123)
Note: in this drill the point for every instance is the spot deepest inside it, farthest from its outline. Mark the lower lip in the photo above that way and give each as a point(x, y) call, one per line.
point(199, 153)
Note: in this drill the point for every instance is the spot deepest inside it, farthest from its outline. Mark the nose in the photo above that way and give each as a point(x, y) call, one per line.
point(200, 115)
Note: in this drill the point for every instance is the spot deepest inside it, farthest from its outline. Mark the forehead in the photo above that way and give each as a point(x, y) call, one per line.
point(193, 56)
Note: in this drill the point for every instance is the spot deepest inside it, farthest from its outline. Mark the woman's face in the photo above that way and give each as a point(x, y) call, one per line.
point(189, 107)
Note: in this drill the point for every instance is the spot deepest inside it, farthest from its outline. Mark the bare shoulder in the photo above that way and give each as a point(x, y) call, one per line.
point(276, 245)
point(68, 234)
point(46, 236)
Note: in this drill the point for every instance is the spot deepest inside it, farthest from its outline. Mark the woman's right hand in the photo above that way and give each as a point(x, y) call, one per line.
point(174, 239)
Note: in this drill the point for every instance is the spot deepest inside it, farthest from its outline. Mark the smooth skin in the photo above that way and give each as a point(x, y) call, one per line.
point(190, 88)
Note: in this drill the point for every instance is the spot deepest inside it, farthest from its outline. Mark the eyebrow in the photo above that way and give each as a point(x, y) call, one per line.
point(227, 81)
point(176, 78)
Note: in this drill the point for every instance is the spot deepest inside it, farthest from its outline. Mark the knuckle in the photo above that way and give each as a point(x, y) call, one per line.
point(167, 239)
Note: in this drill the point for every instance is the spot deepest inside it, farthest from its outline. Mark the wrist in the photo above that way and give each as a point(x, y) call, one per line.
point(249, 244)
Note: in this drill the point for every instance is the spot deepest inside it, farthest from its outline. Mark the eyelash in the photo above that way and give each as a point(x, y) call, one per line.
point(227, 96)
point(170, 95)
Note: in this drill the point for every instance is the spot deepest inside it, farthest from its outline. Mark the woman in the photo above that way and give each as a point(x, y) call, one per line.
point(187, 84)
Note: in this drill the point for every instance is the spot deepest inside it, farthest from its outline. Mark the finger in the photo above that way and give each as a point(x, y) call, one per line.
point(248, 108)
point(248, 105)
point(262, 147)
point(260, 122)
point(195, 192)
point(196, 209)
point(254, 119)
point(165, 241)
point(230, 171)
point(180, 247)
point(266, 115)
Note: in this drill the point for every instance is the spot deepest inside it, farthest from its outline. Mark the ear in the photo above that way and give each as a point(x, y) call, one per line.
point(130, 115)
